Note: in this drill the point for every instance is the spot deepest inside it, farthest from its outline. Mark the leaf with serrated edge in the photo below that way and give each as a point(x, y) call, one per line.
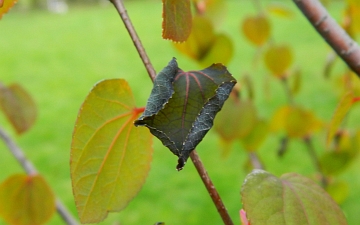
point(182, 106)
point(18, 106)
point(26, 199)
point(290, 199)
point(176, 20)
point(340, 112)
point(110, 158)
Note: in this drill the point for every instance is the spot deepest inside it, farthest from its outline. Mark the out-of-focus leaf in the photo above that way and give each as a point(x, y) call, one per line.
point(256, 136)
point(329, 64)
point(278, 59)
point(248, 83)
point(214, 10)
point(26, 200)
point(353, 11)
point(352, 83)
point(18, 106)
point(176, 20)
point(296, 85)
point(340, 112)
point(279, 9)
point(291, 119)
point(204, 45)
point(183, 105)
point(256, 29)
point(339, 158)
point(110, 158)
point(236, 119)
point(5, 5)
point(338, 190)
point(290, 199)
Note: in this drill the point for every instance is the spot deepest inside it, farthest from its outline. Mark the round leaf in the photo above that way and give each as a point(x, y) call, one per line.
point(290, 199)
point(278, 59)
point(256, 29)
point(26, 200)
point(110, 158)
point(279, 9)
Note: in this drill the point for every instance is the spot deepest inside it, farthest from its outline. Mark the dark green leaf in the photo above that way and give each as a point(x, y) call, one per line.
point(290, 199)
point(182, 106)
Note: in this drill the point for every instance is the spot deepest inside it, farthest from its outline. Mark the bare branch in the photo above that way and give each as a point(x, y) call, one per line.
point(210, 188)
point(331, 31)
point(31, 170)
point(135, 38)
point(152, 74)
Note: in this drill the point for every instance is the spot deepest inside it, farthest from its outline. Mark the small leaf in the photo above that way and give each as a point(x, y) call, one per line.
point(279, 9)
point(204, 45)
point(338, 190)
point(256, 29)
point(183, 105)
point(176, 20)
point(26, 200)
point(110, 158)
point(5, 5)
point(18, 106)
point(278, 59)
point(214, 10)
point(340, 112)
point(241, 114)
point(256, 136)
point(292, 199)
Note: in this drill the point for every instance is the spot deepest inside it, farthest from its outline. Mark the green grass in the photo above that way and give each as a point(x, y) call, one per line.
point(58, 59)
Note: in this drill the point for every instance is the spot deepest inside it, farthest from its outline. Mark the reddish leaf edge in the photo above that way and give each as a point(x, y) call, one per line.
point(356, 99)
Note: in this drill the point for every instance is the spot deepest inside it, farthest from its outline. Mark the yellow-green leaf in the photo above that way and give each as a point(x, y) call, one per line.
point(256, 29)
point(176, 20)
point(214, 10)
point(204, 45)
point(340, 112)
point(278, 59)
point(296, 83)
point(256, 136)
point(18, 106)
point(338, 190)
point(5, 5)
point(26, 200)
point(279, 9)
point(110, 157)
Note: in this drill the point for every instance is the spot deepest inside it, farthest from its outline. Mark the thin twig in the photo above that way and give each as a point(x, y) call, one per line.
point(288, 91)
point(210, 188)
point(255, 161)
point(31, 170)
point(315, 160)
point(331, 31)
point(135, 38)
point(194, 156)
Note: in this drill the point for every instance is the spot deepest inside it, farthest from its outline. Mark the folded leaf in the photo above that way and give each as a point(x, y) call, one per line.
point(110, 158)
point(183, 105)
point(290, 199)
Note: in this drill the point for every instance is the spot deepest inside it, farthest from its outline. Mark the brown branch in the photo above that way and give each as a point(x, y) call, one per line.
point(194, 156)
point(255, 161)
point(331, 31)
point(134, 37)
point(210, 188)
point(31, 170)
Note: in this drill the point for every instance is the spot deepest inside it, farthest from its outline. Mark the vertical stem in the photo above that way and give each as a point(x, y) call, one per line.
point(135, 38)
point(30, 169)
point(315, 160)
point(255, 161)
point(288, 91)
point(210, 188)
point(194, 156)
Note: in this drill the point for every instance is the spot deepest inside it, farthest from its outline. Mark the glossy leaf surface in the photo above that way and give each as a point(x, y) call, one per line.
point(26, 200)
point(182, 106)
point(340, 112)
point(5, 5)
point(110, 158)
point(176, 20)
point(256, 29)
point(278, 59)
point(290, 199)
point(18, 106)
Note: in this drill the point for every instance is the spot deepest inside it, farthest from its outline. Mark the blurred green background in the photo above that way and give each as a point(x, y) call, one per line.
point(59, 57)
